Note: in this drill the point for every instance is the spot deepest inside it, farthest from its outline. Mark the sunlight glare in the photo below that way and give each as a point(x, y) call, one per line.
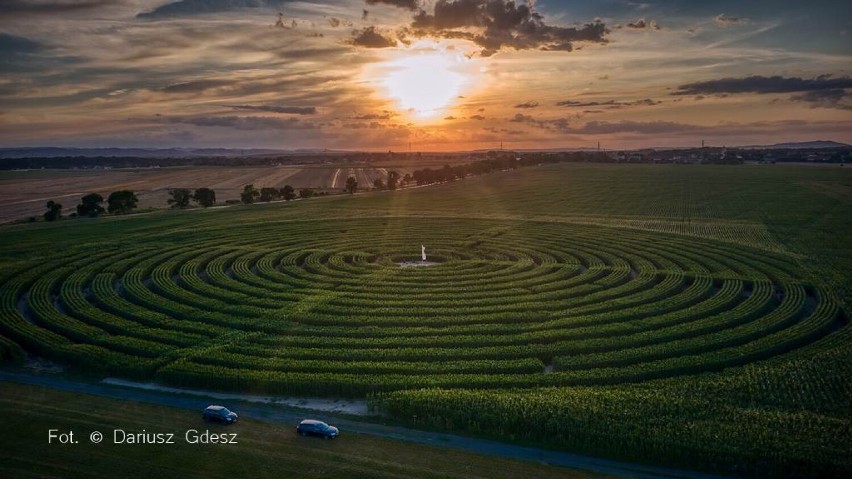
point(424, 83)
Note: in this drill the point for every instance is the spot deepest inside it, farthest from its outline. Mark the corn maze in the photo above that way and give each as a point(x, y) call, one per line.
point(324, 307)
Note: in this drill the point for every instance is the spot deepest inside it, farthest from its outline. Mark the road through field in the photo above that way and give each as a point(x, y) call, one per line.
point(283, 415)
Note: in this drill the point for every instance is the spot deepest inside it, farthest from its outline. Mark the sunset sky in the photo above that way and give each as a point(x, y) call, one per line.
point(443, 75)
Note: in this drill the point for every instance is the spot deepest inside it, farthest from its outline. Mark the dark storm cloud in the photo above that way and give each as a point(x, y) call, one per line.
point(407, 4)
point(245, 122)
point(199, 7)
point(529, 104)
point(762, 84)
point(295, 110)
point(609, 104)
point(370, 37)
point(498, 24)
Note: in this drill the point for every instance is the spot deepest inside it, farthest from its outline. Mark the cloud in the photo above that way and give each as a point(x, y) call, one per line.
point(642, 24)
point(296, 110)
point(504, 131)
point(23, 55)
point(626, 126)
point(529, 104)
point(728, 20)
point(14, 7)
point(831, 98)
point(14, 45)
point(201, 7)
point(609, 104)
point(499, 24)
point(477, 117)
point(373, 116)
point(195, 86)
point(407, 4)
point(370, 37)
point(662, 127)
point(557, 124)
point(335, 22)
point(245, 122)
point(761, 84)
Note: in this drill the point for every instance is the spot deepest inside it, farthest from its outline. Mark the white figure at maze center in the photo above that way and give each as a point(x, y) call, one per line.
point(423, 253)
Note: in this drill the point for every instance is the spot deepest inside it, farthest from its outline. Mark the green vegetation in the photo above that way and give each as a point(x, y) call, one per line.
point(263, 449)
point(121, 202)
point(205, 197)
point(179, 197)
point(54, 211)
point(684, 315)
point(90, 205)
point(351, 185)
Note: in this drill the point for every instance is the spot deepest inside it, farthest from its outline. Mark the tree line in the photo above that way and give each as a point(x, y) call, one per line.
point(118, 203)
point(125, 201)
point(250, 194)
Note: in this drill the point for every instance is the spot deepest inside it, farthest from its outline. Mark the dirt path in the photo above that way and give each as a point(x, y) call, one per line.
point(339, 406)
point(282, 414)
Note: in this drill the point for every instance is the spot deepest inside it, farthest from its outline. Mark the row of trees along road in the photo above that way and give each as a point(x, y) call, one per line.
point(251, 194)
point(124, 201)
point(118, 203)
point(180, 197)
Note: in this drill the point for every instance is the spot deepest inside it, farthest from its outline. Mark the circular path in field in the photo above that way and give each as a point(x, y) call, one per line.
point(323, 307)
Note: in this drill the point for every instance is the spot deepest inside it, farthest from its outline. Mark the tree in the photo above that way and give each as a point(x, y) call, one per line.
point(288, 192)
point(351, 185)
point(90, 205)
point(204, 197)
point(407, 179)
point(179, 197)
point(268, 194)
point(54, 211)
point(378, 184)
point(249, 194)
point(306, 193)
point(393, 180)
point(121, 202)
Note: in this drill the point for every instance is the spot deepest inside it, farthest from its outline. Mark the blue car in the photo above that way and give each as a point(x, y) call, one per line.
point(219, 414)
point(312, 427)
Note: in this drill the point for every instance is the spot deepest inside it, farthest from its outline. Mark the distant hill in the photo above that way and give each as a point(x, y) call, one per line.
point(800, 145)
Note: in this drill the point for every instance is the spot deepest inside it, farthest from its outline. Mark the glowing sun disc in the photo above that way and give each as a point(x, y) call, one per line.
point(425, 83)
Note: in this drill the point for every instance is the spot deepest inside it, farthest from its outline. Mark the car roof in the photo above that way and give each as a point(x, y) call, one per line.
point(215, 408)
point(311, 421)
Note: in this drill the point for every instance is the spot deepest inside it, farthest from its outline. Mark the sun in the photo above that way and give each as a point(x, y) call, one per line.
point(425, 82)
